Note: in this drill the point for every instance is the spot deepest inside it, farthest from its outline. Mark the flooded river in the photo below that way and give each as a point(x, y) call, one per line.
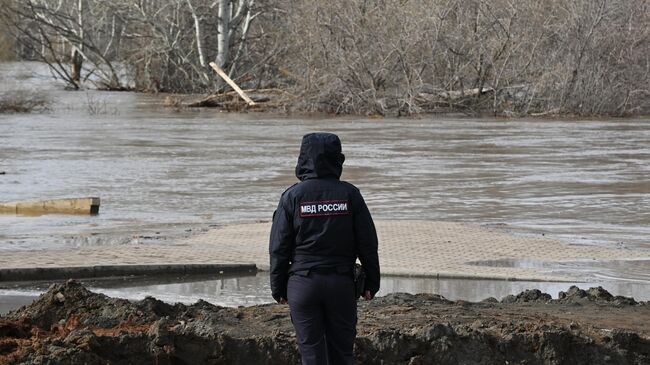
point(161, 172)
point(164, 173)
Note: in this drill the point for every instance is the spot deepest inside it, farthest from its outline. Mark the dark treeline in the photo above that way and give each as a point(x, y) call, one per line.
point(504, 57)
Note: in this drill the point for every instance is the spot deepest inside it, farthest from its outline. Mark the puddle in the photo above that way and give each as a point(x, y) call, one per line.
point(525, 263)
point(255, 289)
point(610, 270)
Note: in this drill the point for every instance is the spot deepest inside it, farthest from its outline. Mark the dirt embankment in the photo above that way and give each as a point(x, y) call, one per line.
point(71, 325)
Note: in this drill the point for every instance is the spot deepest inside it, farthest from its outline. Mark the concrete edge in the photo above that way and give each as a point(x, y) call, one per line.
point(435, 275)
point(481, 277)
point(103, 271)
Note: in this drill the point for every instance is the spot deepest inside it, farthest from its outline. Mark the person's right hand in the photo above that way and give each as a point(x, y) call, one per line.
point(282, 301)
point(367, 295)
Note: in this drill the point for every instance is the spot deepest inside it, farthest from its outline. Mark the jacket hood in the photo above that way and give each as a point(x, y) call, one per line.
point(320, 157)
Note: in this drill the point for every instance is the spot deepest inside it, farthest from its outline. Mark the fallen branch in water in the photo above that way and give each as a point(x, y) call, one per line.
point(239, 91)
point(263, 99)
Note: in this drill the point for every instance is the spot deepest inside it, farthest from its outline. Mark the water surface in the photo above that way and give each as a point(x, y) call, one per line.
point(255, 289)
point(164, 173)
point(161, 172)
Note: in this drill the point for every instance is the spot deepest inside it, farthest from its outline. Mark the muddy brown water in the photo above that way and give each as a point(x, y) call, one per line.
point(163, 173)
point(587, 182)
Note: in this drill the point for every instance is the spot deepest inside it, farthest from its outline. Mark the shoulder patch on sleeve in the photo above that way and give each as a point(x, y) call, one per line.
point(325, 208)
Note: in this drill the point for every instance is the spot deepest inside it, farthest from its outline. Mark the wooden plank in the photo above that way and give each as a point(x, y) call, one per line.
point(232, 84)
point(8, 208)
point(58, 206)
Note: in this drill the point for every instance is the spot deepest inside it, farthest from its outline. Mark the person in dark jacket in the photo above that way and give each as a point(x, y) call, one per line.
point(321, 226)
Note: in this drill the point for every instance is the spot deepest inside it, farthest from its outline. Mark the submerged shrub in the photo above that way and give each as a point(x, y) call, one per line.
point(23, 101)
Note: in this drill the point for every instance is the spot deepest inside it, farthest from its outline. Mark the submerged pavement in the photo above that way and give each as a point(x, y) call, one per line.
point(408, 247)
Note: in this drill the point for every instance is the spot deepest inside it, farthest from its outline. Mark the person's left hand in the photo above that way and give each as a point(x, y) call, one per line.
point(367, 295)
point(282, 301)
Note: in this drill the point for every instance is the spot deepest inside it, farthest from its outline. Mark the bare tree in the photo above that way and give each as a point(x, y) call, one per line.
point(231, 13)
point(77, 49)
point(498, 56)
point(58, 35)
point(502, 57)
point(7, 44)
point(151, 44)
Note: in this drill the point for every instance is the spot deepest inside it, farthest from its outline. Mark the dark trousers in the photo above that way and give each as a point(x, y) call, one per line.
point(324, 315)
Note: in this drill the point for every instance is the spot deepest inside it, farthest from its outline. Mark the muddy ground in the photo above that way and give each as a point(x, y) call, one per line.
point(71, 325)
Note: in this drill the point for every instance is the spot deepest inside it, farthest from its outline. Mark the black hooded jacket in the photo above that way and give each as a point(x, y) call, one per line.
point(321, 221)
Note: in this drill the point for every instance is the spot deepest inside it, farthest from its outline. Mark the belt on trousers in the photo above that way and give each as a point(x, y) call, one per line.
point(325, 270)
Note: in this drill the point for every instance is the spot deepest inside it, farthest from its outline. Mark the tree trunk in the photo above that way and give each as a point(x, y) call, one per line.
point(242, 41)
point(199, 39)
point(223, 38)
point(77, 63)
point(77, 57)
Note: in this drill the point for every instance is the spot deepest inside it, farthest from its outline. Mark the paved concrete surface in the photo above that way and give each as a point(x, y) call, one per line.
point(417, 248)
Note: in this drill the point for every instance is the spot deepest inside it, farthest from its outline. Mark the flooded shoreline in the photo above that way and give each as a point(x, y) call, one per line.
point(248, 290)
point(71, 324)
point(164, 174)
point(160, 171)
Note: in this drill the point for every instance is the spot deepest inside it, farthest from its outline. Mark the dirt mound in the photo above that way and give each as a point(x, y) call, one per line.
point(533, 295)
point(598, 295)
point(71, 325)
point(574, 295)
